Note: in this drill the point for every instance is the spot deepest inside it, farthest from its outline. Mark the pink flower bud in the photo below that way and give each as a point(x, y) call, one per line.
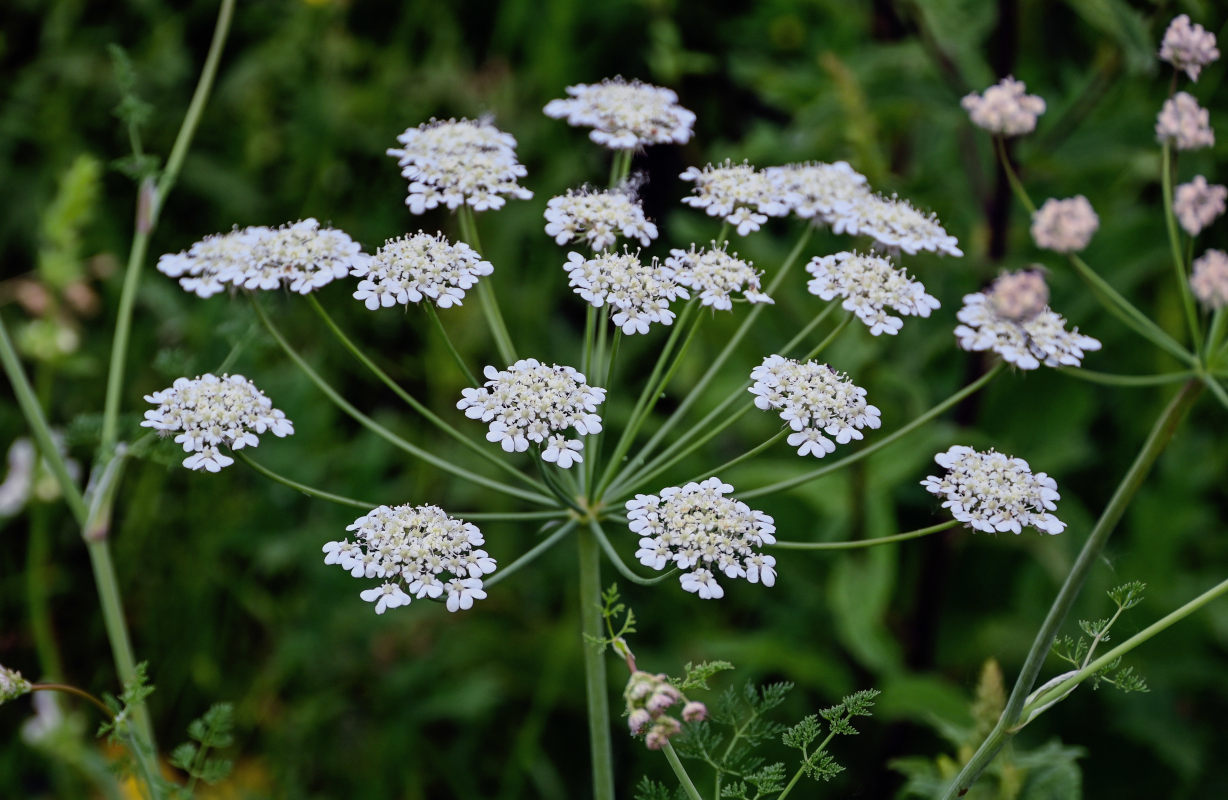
point(694, 711)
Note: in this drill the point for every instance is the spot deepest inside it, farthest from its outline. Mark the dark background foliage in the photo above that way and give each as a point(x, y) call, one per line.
point(223, 577)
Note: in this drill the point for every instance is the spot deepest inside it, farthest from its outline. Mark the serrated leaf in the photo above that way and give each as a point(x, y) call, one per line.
point(183, 756)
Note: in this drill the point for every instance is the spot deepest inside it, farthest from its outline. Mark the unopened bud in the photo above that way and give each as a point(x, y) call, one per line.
point(1019, 295)
point(694, 711)
point(638, 720)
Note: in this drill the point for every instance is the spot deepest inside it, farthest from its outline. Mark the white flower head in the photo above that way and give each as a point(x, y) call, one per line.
point(1004, 108)
point(992, 492)
point(300, 256)
point(1028, 342)
point(1188, 47)
point(531, 402)
point(638, 293)
point(716, 274)
point(1064, 226)
point(598, 217)
point(871, 286)
point(625, 115)
point(416, 552)
point(209, 412)
point(1197, 204)
point(12, 684)
point(815, 190)
point(1019, 295)
point(813, 399)
point(738, 193)
point(1209, 279)
point(418, 266)
point(459, 162)
point(895, 225)
point(1185, 123)
point(704, 532)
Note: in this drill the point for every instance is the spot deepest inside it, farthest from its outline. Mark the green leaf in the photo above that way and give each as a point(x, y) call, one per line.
point(698, 675)
point(801, 735)
point(648, 789)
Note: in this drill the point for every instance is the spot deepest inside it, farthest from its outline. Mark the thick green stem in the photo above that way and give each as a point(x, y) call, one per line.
point(1161, 433)
point(149, 209)
point(680, 772)
point(881, 443)
point(857, 544)
point(1174, 241)
point(617, 561)
point(486, 295)
point(429, 307)
point(595, 682)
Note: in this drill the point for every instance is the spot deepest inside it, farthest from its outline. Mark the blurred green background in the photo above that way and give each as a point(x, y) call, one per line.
point(224, 581)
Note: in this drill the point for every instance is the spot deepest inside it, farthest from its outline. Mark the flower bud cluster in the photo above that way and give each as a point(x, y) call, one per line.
point(1064, 226)
point(210, 412)
point(1197, 204)
point(738, 193)
point(649, 699)
point(598, 217)
point(701, 530)
point(459, 162)
point(1188, 47)
point(301, 256)
point(870, 285)
point(992, 492)
point(407, 269)
point(1184, 123)
point(813, 399)
point(624, 115)
point(1209, 279)
point(416, 550)
point(1004, 108)
point(716, 274)
point(638, 293)
point(535, 402)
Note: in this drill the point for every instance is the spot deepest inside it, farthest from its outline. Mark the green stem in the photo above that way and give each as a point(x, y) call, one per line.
point(1216, 389)
point(620, 167)
point(1161, 433)
point(806, 759)
point(310, 491)
point(1110, 379)
point(680, 772)
point(1060, 690)
point(1219, 322)
point(616, 560)
point(810, 326)
point(140, 241)
point(413, 403)
point(1174, 241)
point(37, 585)
point(531, 555)
point(73, 690)
point(881, 443)
point(857, 544)
point(486, 296)
point(380, 430)
point(751, 453)
point(595, 682)
point(429, 307)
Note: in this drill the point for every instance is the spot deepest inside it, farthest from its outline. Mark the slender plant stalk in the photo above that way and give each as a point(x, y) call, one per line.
point(751, 453)
point(595, 682)
point(1216, 332)
point(1110, 379)
point(447, 340)
point(1174, 241)
point(531, 555)
point(413, 403)
point(616, 560)
point(310, 491)
point(971, 388)
point(381, 431)
point(1161, 433)
point(858, 544)
point(620, 167)
point(680, 772)
point(486, 296)
point(1220, 394)
point(64, 688)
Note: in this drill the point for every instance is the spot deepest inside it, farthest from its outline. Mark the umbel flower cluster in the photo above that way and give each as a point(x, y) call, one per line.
point(1064, 226)
point(598, 217)
point(870, 285)
point(539, 403)
point(1005, 108)
point(701, 530)
point(649, 699)
point(813, 399)
point(300, 256)
point(625, 115)
point(418, 551)
point(407, 269)
point(209, 412)
point(716, 274)
point(638, 293)
point(992, 492)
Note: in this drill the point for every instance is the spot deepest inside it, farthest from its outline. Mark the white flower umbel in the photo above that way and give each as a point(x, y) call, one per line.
point(1185, 123)
point(815, 190)
point(414, 550)
point(895, 224)
point(1209, 279)
point(1064, 226)
point(1197, 204)
point(992, 492)
point(209, 412)
point(538, 403)
point(1004, 108)
point(813, 399)
point(421, 265)
point(740, 194)
point(459, 162)
point(870, 286)
point(1188, 47)
point(300, 256)
point(598, 217)
point(625, 115)
point(704, 532)
point(638, 293)
point(716, 274)
point(1038, 337)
